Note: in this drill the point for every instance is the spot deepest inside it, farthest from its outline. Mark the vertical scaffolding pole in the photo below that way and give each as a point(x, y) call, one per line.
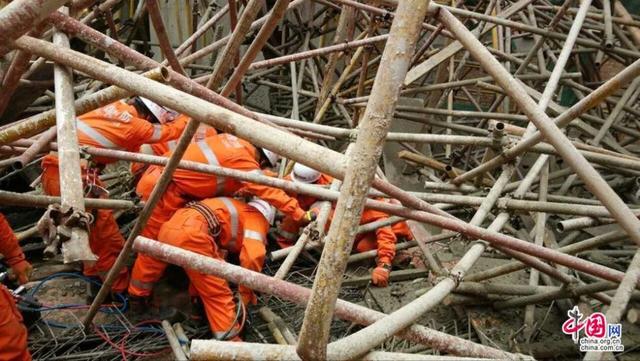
point(361, 168)
point(71, 189)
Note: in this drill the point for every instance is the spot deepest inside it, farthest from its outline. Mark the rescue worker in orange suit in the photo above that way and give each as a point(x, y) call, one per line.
point(161, 149)
point(223, 150)
point(383, 239)
point(212, 227)
point(287, 231)
point(13, 333)
point(120, 126)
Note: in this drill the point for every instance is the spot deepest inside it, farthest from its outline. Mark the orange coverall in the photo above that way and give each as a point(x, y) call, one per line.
point(288, 229)
point(161, 149)
point(224, 150)
point(383, 239)
point(242, 230)
point(13, 333)
point(115, 126)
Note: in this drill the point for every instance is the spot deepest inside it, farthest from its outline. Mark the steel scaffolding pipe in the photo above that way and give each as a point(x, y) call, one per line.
point(454, 98)
point(359, 173)
point(32, 200)
point(301, 295)
point(76, 248)
point(246, 351)
point(447, 223)
point(21, 15)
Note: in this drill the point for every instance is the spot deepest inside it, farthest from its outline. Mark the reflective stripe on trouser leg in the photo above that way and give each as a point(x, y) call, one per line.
point(254, 235)
point(235, 222)
point(146, 272)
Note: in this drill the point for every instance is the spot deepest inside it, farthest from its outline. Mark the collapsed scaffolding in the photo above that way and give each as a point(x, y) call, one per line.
point(506, 159)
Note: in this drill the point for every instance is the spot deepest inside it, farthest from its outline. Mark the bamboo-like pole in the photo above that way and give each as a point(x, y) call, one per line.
point(396, 57)
point(76, 248)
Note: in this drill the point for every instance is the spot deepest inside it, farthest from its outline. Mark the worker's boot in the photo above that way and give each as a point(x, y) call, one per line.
point(93, 287)
point(139, 305)
point(141, 308)
point(198, 315)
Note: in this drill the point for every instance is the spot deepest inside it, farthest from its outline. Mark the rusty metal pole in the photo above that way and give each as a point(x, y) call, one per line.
point(551, 132)
point(163, 39)
point(361, 166)
point(591, 100)
point(37, 147)
point(71, 186)
point(300, 295)
point(247, 351)
point(226, 58)
point(21, 15)
point(343, 32)
point(622, 12)
point(276, 140)
point(19, 65)
point(592, 179)
point(278, 10)
point(31, 200)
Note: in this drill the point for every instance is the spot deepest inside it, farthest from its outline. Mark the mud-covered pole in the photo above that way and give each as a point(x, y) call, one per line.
point(76, 248)
point(21, 15)
point(361, 167)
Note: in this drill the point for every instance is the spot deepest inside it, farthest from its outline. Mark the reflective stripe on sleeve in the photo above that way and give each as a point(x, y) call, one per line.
point(97, 136)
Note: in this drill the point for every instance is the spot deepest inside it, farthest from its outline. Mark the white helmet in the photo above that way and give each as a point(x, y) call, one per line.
point(263, 207)
point(161, 113)
point(271, 156)
point(303, 174)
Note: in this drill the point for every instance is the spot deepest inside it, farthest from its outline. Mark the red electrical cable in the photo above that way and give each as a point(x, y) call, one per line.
point(121, 345)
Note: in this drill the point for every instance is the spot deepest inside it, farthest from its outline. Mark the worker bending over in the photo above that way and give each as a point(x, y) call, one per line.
point(223, 150)
point(382, 239)
point(119, 126)
point(212, 227)
point(13, 333)
point(164, 148)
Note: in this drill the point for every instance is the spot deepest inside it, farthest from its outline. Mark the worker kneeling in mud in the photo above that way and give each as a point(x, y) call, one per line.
point(213, 227)
point(118, 126)
point(13, 333)
point(382, 239)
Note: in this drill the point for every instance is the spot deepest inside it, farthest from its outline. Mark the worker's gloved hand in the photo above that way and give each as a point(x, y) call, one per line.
point(22, 271)
point(247, 295)
point(310, 216)
point(380, 275)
